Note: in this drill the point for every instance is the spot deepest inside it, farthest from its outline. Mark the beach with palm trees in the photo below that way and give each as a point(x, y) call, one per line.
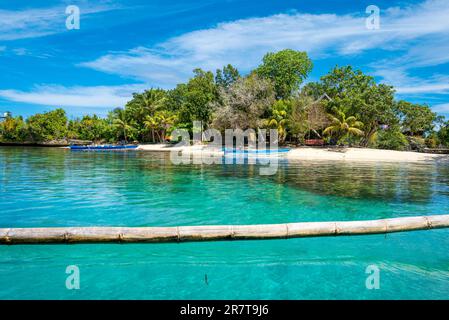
point(319, 154)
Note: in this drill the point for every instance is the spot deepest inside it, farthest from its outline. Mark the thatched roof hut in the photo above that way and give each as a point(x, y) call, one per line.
point(317, 117)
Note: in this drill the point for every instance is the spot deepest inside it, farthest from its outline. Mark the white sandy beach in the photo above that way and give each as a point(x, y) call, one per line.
point(324, 154)
point(363, 154)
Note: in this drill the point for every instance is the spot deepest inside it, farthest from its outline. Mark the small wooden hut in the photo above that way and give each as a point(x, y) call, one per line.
point(317, 120)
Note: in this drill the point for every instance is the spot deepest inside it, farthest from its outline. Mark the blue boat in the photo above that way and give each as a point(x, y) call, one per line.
point(103, 148)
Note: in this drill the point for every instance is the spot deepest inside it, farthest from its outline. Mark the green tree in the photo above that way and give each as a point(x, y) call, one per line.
point(142, 105)
point(415, 119)
point(152, 124)
point(342, 127)
point(432, 140)
point(160, 124)
point(90, 128)
point(391, 138)
point(198, 95)
point(357, 94)
point(287, 69)
point(121, 123)
point(376, 110)
point(13, 129)
point(226, 77)
point(278, 119)
point(48, 126)
point(176, 98)
point(443, 134)
point(166, 122)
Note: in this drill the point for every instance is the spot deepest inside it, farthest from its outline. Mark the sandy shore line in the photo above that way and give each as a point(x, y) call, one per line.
point(324, 154)
point(363, 154)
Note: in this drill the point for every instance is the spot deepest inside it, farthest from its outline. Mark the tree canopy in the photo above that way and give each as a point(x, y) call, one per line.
point(345, 106)
point(287, 69)
point(416, 119)
point(48, 126)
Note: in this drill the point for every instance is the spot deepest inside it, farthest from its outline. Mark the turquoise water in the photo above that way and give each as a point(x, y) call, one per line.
point(56, 187)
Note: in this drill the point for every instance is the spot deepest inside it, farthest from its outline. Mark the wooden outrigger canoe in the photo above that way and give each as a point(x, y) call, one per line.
point(103, 147)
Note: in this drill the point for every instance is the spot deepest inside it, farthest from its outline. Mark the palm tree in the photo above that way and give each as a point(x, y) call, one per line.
point(278, 119)
point(343, 127)
point(159, 124)
point(148, 102)
point(165, 120)
point(145, 104)
point(120, 122)
point(151, 123)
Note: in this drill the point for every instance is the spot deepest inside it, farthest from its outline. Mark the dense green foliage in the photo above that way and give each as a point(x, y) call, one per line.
point(48, 126)
point(416, 119)
point(226, 77)
point(90, 128)
point(391, 138)
point(344, 128)
point(358, 95)
point(345, 106)
point(443, 134)
point(287, 69)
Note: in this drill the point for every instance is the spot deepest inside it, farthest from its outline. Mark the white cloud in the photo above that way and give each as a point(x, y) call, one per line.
point(243, 42)
point(58, 96)
point(417, 33)
point(438, 88)
point(405, 84)
point(32, 23)
point(441, 108)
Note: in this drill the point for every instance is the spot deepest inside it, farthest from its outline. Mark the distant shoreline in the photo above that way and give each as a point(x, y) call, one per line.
point(325, 154)
point(295, 154)
point(33, 144)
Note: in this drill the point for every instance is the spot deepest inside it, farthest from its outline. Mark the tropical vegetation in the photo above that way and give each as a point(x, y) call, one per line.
point(345, 107)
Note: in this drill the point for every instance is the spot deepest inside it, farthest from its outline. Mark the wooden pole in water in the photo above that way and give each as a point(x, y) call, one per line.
point(212, 233)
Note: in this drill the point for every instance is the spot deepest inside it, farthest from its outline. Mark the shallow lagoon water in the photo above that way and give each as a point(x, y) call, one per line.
point(54, 187)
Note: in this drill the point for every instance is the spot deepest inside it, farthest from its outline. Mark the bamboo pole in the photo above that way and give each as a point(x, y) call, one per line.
point(212, 233)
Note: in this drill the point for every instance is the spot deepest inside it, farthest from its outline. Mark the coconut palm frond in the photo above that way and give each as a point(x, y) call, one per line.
point(343, 126)
point(355, 131)
point(358, 124)
point(329, 130)
point(351, 119)
point(333, 119)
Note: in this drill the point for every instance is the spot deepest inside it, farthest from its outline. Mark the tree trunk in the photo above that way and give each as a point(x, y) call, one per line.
point(10, 236)
point(368, 136)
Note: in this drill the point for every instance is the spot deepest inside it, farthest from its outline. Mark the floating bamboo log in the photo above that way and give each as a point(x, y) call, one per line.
point(212, 233)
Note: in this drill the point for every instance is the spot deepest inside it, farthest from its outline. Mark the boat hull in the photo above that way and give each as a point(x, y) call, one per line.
point(101, 148)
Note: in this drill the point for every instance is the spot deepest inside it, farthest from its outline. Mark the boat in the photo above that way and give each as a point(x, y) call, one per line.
point(103, 147)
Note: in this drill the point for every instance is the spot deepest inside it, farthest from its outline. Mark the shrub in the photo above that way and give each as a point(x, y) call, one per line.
point(417, 143)
point(391, 139)
point(432, 141)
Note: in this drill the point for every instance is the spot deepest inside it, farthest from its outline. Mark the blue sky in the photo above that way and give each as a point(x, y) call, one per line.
point(124, 46)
